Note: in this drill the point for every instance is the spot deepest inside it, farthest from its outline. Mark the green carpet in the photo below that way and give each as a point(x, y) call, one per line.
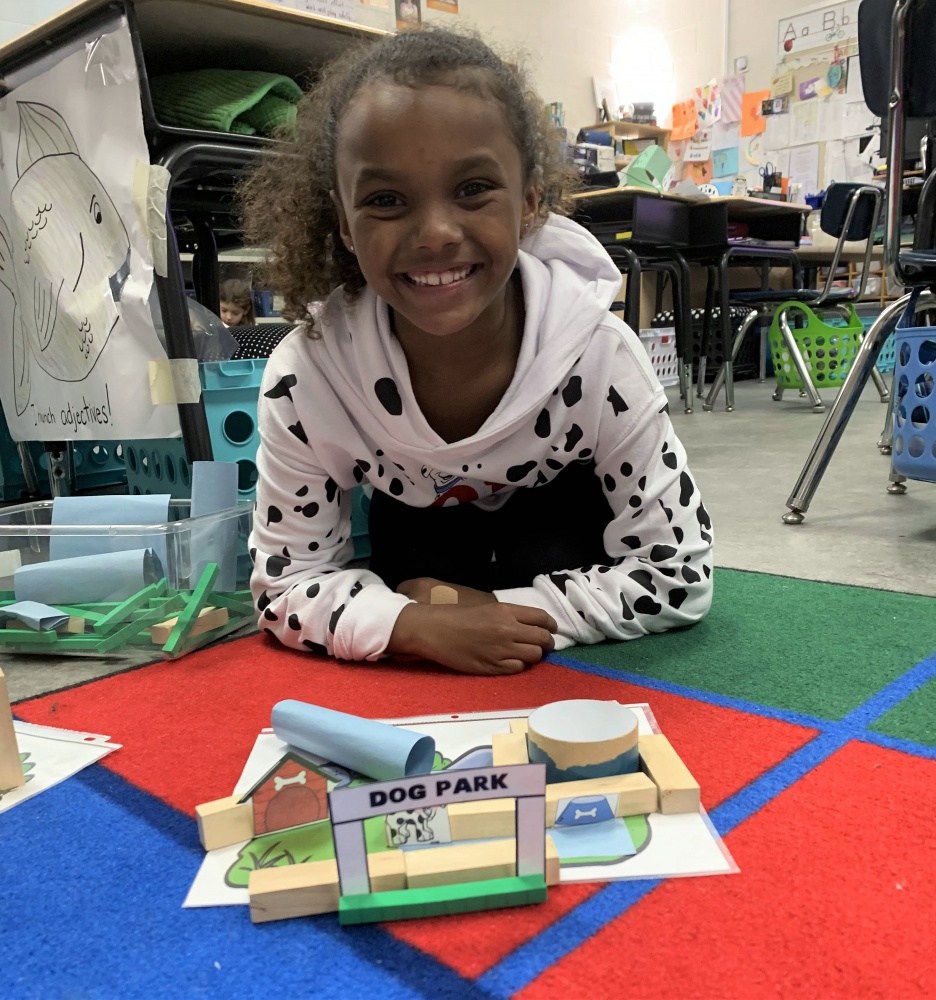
point(913, 719)
point(819, 648)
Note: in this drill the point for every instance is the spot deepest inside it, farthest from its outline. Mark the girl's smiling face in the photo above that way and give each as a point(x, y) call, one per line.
point(432, 198)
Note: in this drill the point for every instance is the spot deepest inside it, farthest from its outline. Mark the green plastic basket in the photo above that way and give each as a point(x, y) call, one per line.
point(827, 350)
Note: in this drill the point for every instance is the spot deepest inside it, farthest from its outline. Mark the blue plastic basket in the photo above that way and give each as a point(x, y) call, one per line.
point(914, 453)
point(231, 392)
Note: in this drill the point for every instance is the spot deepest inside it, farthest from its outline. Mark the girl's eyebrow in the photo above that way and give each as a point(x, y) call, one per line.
point(478, 161)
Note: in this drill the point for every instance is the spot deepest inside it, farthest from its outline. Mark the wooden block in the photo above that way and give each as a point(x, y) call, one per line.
point(309, 889)
point(224, 822)
point(679, 791)
point(293, 891)
point(458, 863)
point(520, 726)
point(11, 767)
point(636, 794)
point(552, 862)
point(509, 748)
point(208, 618)
point(487, 819)
point(183, 626)
point(443, 595)
point(387, 870)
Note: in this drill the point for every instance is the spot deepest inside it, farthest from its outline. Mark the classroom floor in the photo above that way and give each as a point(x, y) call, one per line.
point(746, 464)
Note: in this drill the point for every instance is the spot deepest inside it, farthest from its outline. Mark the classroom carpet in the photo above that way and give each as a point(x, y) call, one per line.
point(807, 712)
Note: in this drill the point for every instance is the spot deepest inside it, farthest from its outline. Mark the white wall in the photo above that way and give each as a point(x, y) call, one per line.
point(753, 33)
point(570, 42)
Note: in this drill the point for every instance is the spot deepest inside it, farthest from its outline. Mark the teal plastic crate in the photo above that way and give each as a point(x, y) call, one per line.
point(97, 464)
point(231, 391)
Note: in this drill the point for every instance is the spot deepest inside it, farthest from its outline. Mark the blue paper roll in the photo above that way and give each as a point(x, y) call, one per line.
point(375, 749)
point(108, 576)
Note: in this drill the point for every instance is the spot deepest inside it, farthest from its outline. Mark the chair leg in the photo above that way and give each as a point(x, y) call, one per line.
point(778, 394)
point(842, 408)
point(736, 346)
point(880, 384)
point(886, 441)
point(762, 377)
point(706, 344)
point(799, 363)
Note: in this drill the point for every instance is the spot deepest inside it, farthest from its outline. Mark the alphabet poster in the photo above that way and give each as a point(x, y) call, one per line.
point(76, 271)
point(832, 26)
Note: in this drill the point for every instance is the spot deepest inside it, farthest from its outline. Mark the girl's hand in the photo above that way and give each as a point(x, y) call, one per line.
point(419, 590)
point(490, 638)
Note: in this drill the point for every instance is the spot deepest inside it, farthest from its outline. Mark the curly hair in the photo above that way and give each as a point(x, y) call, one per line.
point(286, 203)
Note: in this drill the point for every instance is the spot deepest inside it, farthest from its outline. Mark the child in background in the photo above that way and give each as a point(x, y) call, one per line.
point(236, 303)
point(466, 366)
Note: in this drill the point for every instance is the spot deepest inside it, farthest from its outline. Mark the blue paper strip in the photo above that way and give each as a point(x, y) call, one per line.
point(375, 749)
point(111, 576)
point(35, 615)
point(594, 840)
point(214, 488)
point(106, 511)
point(725, 162)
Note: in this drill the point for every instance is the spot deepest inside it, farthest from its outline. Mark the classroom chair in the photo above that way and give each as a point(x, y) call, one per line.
point(896, 40)
point(850, 212)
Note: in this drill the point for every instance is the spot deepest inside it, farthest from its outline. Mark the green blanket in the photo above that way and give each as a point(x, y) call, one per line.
point(245, 102)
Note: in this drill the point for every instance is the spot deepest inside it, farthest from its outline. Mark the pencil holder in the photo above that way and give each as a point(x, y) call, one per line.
point(914, 454)
point(827, 350)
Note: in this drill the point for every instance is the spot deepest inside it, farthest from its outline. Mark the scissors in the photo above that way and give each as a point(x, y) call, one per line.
point(767, 171)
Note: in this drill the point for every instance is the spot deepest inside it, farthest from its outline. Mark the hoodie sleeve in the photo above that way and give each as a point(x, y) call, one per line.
point(301, 542)
point(659, 540)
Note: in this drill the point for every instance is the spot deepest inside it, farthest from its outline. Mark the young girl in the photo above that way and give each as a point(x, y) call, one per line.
point(466, 366)
point(236, 303)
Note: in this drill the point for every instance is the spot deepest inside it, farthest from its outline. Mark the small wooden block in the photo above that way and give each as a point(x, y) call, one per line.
point(458, 863)
point(11, 767)
point(679, 791)
point(552, 862)
point(520, 726)
point(487, 819)
point(74, 626)
point(208, 618)
point(293, 890)
point(309, 889)
point(224, 822)
point(636, 794)
point(443, 595)
point(510, 748)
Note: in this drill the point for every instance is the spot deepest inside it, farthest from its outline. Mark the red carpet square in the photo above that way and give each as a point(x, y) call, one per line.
point(834, 874)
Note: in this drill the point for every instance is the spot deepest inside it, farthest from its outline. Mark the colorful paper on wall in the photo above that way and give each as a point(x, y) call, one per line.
point(732, 96)
point(699, 173)
point(408, 14)
point(754, 150)
point(752, 121)
point(700, 149)
point(708, 104)
point(782, 85)
point(685, 121)
point(725, 162)
point(446, 6)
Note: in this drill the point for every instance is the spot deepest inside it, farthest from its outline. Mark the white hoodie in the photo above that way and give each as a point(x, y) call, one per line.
point(340, 411)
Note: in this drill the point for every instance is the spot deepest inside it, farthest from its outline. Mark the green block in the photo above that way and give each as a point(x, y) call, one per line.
point(122, 636)
point(126, 608)
point(27, 636)
point(191, 611)
point(469, 897)
point(91, 616)
point(235, 604)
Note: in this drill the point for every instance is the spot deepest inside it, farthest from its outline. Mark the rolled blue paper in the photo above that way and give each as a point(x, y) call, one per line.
point(38, 616)
point(375, 749)
point(105, 511)
point(110, 576)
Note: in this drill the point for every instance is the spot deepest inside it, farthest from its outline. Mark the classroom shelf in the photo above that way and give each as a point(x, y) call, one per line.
point(633, 130)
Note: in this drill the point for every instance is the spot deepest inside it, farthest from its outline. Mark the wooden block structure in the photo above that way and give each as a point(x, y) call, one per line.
point(309, 889)
point(454, 864)
point(520, 726)
point(509, 748)
point(635, 794)
point(208, 619)
point(443, 595)
point(678, 790)
point(486, 819)
point(11, 767)
point(224, 822)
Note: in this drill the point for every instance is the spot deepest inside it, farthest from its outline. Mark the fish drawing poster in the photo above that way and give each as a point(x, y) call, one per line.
point(76, 271)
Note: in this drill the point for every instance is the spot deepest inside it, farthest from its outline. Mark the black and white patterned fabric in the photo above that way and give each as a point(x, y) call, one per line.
point(339, 411)
point(259, 341)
